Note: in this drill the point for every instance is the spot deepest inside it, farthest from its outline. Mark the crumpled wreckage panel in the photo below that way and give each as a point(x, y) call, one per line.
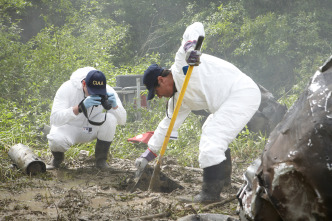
point(293, 181)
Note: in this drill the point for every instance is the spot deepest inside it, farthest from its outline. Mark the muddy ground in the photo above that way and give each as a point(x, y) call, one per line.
point(79, 191)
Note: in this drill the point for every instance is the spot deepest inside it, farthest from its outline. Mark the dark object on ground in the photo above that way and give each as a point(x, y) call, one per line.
point(26, 160)
point(207, 217)
point(294, 179)
point(166, 185)
point(268, 115)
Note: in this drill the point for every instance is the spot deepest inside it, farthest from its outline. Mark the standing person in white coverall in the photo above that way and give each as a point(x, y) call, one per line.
point(85, 108)
point(215, 85)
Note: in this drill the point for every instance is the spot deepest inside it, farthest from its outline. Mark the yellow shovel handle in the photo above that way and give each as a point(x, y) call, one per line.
point(178, 103)
point(176, 110)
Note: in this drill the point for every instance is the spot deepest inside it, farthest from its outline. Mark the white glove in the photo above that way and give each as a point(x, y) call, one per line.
point(141, 163)
point(193, 57)
point(143, 160)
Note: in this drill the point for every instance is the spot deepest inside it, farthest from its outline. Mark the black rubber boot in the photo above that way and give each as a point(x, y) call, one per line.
point(58, 158)
point(101, 153)
point(215, 178)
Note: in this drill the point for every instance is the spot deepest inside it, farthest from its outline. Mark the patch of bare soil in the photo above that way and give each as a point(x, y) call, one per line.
point(79, 191)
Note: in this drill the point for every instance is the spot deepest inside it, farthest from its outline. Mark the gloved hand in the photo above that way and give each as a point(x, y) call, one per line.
point(144, 159)
point(193, 57)
point(189, 45)
point(112, 99)
point(140, 164)
point(91, 101)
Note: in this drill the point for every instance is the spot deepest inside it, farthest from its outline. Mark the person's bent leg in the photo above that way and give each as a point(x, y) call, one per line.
point(218, 131)
point(215, 178)
point(59, 142)
point(58, 158)
point(101, 153)
point(105, 137)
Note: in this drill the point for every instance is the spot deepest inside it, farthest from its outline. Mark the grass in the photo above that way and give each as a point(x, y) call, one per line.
point(7, 174)
point(248, 146)
point(21, 127)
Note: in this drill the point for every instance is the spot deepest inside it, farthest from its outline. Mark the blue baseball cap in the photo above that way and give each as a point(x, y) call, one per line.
point(150, 78)
point(96, 83)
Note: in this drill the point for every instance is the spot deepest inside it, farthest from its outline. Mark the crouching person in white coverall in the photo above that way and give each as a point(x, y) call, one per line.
point(85, 108)
point(215, 85)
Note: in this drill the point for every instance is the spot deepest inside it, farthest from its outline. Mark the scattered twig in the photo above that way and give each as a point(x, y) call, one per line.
point(159, 215)
point(56, 207)
point(210, 206)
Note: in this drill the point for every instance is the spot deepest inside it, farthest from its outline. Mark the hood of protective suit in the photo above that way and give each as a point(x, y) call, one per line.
point(78, 75)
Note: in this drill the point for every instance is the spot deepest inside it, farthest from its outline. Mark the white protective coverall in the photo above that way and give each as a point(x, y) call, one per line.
point(215, 85)
point(68, 129)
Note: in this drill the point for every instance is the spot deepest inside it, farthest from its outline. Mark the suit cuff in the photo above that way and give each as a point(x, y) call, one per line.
point(149, 155)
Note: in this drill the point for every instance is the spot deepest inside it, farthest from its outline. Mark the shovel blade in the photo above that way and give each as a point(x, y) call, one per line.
point(154, 185)
point(166, 184)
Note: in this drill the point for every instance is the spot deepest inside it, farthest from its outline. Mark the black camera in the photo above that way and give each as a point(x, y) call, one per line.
point(105, 103)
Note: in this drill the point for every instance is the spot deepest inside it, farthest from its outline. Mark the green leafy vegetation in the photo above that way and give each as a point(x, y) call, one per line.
point(279, 44)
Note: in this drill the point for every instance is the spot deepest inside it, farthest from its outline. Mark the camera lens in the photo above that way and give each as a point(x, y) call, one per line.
point(105, 103)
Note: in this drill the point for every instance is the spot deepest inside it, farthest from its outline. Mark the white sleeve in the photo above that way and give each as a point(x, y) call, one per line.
point(120, 113)
point(193, 32)
point(156, 141)
point(62, 110)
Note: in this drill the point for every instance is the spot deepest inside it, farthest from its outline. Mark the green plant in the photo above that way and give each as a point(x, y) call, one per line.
point(279, 47)
point(247, 146)
point(7, 173)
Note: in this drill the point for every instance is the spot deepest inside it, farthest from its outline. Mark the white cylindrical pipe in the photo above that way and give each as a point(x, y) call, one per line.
point(26, 160)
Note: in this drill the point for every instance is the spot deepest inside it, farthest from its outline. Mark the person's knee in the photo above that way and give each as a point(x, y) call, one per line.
point(106, 131)
point(111, 121)
point(110, 124)
point(57, 143)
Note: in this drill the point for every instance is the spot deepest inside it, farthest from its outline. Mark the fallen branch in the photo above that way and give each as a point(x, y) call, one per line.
point(159, 215)
point(210, 206)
